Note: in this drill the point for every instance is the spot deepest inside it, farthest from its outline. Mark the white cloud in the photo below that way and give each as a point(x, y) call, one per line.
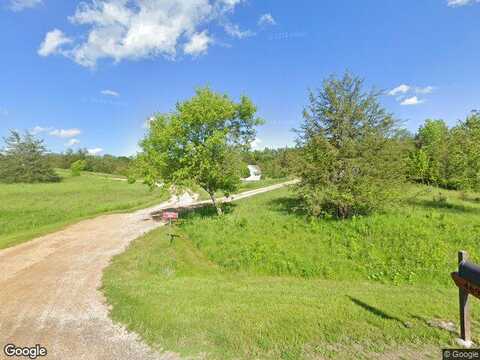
point(62, 133)
point(407, 92)
point(231, 3)
point(95, 151)
point(235, 31)
point(425, 90)
point(414, 100)
point(19, 5)
point(73, 142)
point(457, 3)
point(53, 42)
point(138, 29)
point(108, 92)
point(266, 19)
point(401, 89)
point(198, 44)
point(38, 130)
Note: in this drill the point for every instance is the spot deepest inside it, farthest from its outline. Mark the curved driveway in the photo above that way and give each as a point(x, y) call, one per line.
point(49, 288)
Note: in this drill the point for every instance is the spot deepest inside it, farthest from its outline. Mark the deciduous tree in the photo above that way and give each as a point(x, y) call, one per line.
point(199, 143)
point(429, 163)
point(464, 154)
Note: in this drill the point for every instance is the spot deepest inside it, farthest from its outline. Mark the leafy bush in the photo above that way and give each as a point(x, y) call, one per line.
point(23, 161)
point(77, 167)
point(350, 159)
point(244, 171)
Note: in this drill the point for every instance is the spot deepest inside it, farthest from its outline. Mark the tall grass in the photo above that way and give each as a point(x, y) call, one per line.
point(264, 282)
point(413, 242)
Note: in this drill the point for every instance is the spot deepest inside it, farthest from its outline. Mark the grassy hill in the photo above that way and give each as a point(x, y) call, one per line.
point(29, 210)
point(264, 282)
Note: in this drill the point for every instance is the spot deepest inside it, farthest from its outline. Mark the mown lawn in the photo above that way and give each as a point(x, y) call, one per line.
point(264, 282)
point(29, 210)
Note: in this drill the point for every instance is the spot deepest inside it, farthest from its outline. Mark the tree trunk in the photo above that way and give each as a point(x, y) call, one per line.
point(214, 201)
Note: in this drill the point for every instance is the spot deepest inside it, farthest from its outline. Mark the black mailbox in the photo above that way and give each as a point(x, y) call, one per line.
point(467, 278)
point(470, 272)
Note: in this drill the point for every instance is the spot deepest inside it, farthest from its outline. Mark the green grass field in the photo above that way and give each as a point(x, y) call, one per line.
point(29, 210)
point(263, 282)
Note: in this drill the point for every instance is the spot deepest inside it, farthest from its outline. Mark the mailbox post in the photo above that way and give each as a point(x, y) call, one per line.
point(467, 278)
point(463, 302)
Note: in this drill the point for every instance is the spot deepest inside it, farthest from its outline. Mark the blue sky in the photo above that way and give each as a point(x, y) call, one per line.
point(88, 74)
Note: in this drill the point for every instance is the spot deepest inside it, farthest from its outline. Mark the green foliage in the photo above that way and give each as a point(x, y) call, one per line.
point(419, 166)
point(23, 160)
point(449, 158)
point(263, 283)
point(351, 162)
point(199, 143)
point(429, 164)
point(244, 171)
point(411, 242)
point(77, 167)
point(464, 154)
point(106, 164)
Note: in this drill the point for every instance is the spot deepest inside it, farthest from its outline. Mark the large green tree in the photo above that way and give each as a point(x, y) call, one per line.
point(464, 154)
point(429, 162)
point(199, 143)
point(351, 160)
point(23, 160)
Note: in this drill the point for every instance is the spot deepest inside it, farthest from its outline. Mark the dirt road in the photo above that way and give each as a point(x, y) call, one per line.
point(49, 288)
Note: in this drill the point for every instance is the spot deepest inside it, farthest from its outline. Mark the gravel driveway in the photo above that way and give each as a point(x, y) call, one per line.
point(49, 288)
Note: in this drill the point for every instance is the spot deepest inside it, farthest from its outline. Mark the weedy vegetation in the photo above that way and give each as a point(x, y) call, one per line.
point(354, 262)
point(265, 281)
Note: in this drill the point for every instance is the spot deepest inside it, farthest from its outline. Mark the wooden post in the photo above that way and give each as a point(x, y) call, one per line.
point(464, 308)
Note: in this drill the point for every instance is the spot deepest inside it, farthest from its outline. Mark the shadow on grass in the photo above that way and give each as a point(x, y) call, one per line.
point(471, 199)
point(293, 206)
point(207, 211)
point(287, 205)
point(376, 311)
point(444, 205)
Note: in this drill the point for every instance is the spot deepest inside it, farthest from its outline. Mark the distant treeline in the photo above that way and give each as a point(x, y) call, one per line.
point(274, 163)
point(107, 164)
point(448, 157)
